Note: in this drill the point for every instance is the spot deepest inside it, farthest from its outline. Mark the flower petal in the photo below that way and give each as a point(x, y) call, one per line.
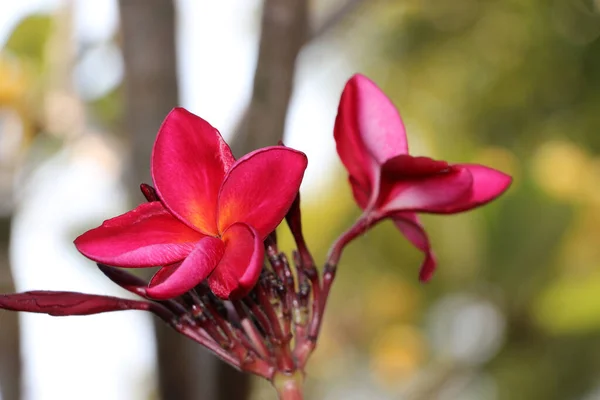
point(411, 189)
point(488, 184)
point(359, 163)
point(70, 303)
point(189, 162)
point(361, 194)
point(405, 166)
point(144, 237)
point(260, 188)
point(174, 280)
point(368, 131)
point(368, 128)
point(379, 123)
point(241, 264)
point(411, 227)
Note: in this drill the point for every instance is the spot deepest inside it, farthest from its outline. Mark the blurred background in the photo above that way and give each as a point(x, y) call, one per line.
point(514, 310)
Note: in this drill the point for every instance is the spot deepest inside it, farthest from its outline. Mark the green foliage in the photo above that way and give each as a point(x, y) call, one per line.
point(569, 306)
point(500, 83)
point(30, 38)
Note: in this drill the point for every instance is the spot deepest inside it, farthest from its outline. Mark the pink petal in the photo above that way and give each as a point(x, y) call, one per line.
point(241, 264)
point(359, 163)
point(175, 280)
point(411, 227)
point(408, 167)
point(189, 162)
point(68, 303)
point(368, 129)
point(488, 184)
point(163, 274)
point(379, 123)
point(260, 188)
point(146, 236)
point(421, 192)
point(361, 194)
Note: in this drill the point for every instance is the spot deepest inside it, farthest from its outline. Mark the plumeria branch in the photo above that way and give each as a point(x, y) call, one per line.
point(211, 229)
point(253, 334)
point(310, 329)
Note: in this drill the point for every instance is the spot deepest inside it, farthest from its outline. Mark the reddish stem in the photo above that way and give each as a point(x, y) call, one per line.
point(307, 344)
point(277, 263)
point(288, 386)
point(281, 342)
point(253, 334)
point(234, 354)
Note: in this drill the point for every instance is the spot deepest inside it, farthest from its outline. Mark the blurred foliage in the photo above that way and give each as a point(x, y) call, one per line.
point(37, 84)
point(514, 85)
point(570, 306)
point(22, 73)
point(29, 39)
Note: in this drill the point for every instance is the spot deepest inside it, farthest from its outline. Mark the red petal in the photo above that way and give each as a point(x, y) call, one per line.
point(358, 162)
point(420, 192)
point(189, 162)
point(408, 167)
point(175, 280)
point(146, 236)
point(68, 303)
point(488, 184)
point(361, 194)
point(411, 227)
point(260, 188)
point(241, 264)
point(125, 279)
point(368, 129)
point(379, 123)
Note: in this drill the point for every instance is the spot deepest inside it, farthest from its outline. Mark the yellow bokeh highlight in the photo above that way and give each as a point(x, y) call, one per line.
point(397, 354)
point(590, 188)
point(390, 299)
point(560, 168)
point(14, 82)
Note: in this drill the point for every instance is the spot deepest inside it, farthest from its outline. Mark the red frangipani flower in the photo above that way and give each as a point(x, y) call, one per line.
point(211, 214)
point(387, 182)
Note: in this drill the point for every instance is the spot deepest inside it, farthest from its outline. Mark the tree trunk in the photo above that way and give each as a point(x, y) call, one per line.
point(284, 30)
point(10, 356)
point(148, 34)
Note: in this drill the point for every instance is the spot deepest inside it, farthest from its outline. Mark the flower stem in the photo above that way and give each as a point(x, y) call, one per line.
point(289, 387)
point(363, 223)
point(306, 345)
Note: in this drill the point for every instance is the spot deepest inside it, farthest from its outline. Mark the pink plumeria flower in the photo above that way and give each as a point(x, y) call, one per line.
point(211, 216)
point(387, 182)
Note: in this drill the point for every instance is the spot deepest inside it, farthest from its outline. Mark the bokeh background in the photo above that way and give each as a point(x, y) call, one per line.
point(513, 312)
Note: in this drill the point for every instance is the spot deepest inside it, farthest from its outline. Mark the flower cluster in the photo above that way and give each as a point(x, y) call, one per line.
point(208, 215)
point(209, 223)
